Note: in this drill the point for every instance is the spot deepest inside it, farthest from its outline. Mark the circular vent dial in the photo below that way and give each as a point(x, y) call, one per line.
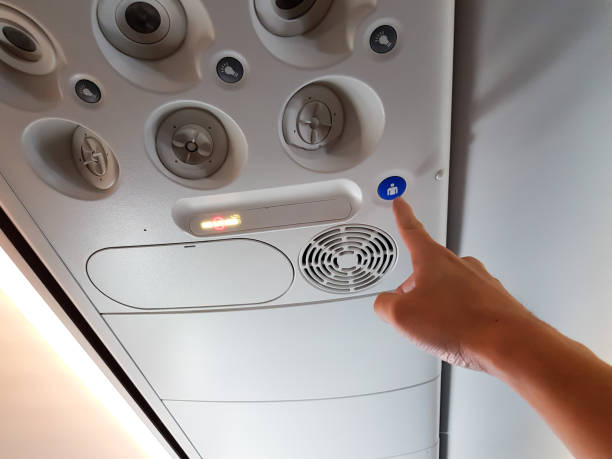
point(313, 118)
point(192, 143)
point(288, 18)
point(24, 46)
point(151, 29)
point(348, 258)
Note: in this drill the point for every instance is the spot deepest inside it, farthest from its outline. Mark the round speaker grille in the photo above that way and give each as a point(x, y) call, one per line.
point(348, 258)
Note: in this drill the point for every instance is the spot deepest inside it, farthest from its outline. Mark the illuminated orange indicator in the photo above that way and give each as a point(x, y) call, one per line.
point(220, 223)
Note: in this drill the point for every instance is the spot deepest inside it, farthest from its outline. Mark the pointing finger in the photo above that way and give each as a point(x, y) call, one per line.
point(412, 231)
point(384, 306)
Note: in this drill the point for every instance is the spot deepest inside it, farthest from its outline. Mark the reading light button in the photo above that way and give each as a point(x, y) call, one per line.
point(391, 188)
point(230, 70)
point(383, 39)
point(88, 91)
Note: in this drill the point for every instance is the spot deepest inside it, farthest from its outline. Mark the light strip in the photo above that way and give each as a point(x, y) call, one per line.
point(220, 223)
point(34, 308)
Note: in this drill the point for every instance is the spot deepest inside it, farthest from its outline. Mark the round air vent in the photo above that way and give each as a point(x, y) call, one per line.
point(287, 18)
point(313, 118)
point(291, 9)
point(94, 159)
point(151, 29)
point(192, 143)
point(24, 45)
point(348, 258)
point(19, 42)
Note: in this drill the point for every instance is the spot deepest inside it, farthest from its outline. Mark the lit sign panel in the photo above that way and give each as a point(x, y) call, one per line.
point(220, 223)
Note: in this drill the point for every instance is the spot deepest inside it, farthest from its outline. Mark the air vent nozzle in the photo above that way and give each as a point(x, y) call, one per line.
point(192, 143)
point(24, 45)
point(348, 258)
point(151, 29)
point(288, 18)
point(94, 159)
point(313, 118)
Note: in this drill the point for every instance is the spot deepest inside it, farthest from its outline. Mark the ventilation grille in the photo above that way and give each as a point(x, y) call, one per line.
point(348, 258)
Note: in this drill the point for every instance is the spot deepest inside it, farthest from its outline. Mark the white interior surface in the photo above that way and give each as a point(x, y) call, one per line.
point(414, 144)
point(531, 191)
point(66, 230)
point(375, 426)
point(39, 391)
point(193, 275)
point(18, 213)
point(296, 353)
point(429, 453)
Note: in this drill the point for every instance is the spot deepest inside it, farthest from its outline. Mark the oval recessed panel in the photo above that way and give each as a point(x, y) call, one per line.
point(204, 274)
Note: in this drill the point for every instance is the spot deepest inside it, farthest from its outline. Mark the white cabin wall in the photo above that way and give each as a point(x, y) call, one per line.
point(531, 191)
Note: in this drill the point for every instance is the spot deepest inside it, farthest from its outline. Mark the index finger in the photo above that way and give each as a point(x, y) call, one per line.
point(412, 231)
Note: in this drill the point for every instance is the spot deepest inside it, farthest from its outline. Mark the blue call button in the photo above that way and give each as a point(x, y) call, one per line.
point(391, 188)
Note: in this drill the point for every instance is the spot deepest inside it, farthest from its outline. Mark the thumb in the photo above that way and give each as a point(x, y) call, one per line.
point(412, 231)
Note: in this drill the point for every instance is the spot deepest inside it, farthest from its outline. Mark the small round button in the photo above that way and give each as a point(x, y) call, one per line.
point(383, 39)
point(230, 70)
point(391, 188)
point(88, 91)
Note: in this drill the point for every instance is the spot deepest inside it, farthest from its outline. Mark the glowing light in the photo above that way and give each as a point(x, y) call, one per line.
point(36, 311)
point(220, 223)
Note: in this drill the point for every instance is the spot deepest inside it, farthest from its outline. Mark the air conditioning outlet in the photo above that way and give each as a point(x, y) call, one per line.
point(18, 42)
point(151, 29)
point(287, 18)
point(313, 118)
point(192, 143)
point(94, 159)
point(24, 46)
point(348, 258)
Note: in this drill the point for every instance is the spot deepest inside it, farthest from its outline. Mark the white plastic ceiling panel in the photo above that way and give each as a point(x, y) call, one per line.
point(395, 127)
point(376, 426)
point(301, 352)
point(151, 277)
point(234, 258)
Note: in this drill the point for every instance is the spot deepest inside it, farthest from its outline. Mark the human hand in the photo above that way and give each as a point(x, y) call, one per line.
point(450, 307)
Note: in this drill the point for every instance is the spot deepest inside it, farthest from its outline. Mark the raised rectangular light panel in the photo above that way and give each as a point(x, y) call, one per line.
point(217, 193)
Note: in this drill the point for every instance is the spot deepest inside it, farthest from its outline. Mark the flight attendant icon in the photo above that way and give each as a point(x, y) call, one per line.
point(391, 188)
point(392, 191)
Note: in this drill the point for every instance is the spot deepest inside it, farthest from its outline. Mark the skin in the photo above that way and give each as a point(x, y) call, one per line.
point(454, 309)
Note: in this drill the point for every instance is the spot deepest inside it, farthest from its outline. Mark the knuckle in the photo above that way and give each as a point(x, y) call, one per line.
point(475, 262)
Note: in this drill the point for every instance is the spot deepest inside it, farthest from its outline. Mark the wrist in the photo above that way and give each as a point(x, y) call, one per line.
point(508, 342)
